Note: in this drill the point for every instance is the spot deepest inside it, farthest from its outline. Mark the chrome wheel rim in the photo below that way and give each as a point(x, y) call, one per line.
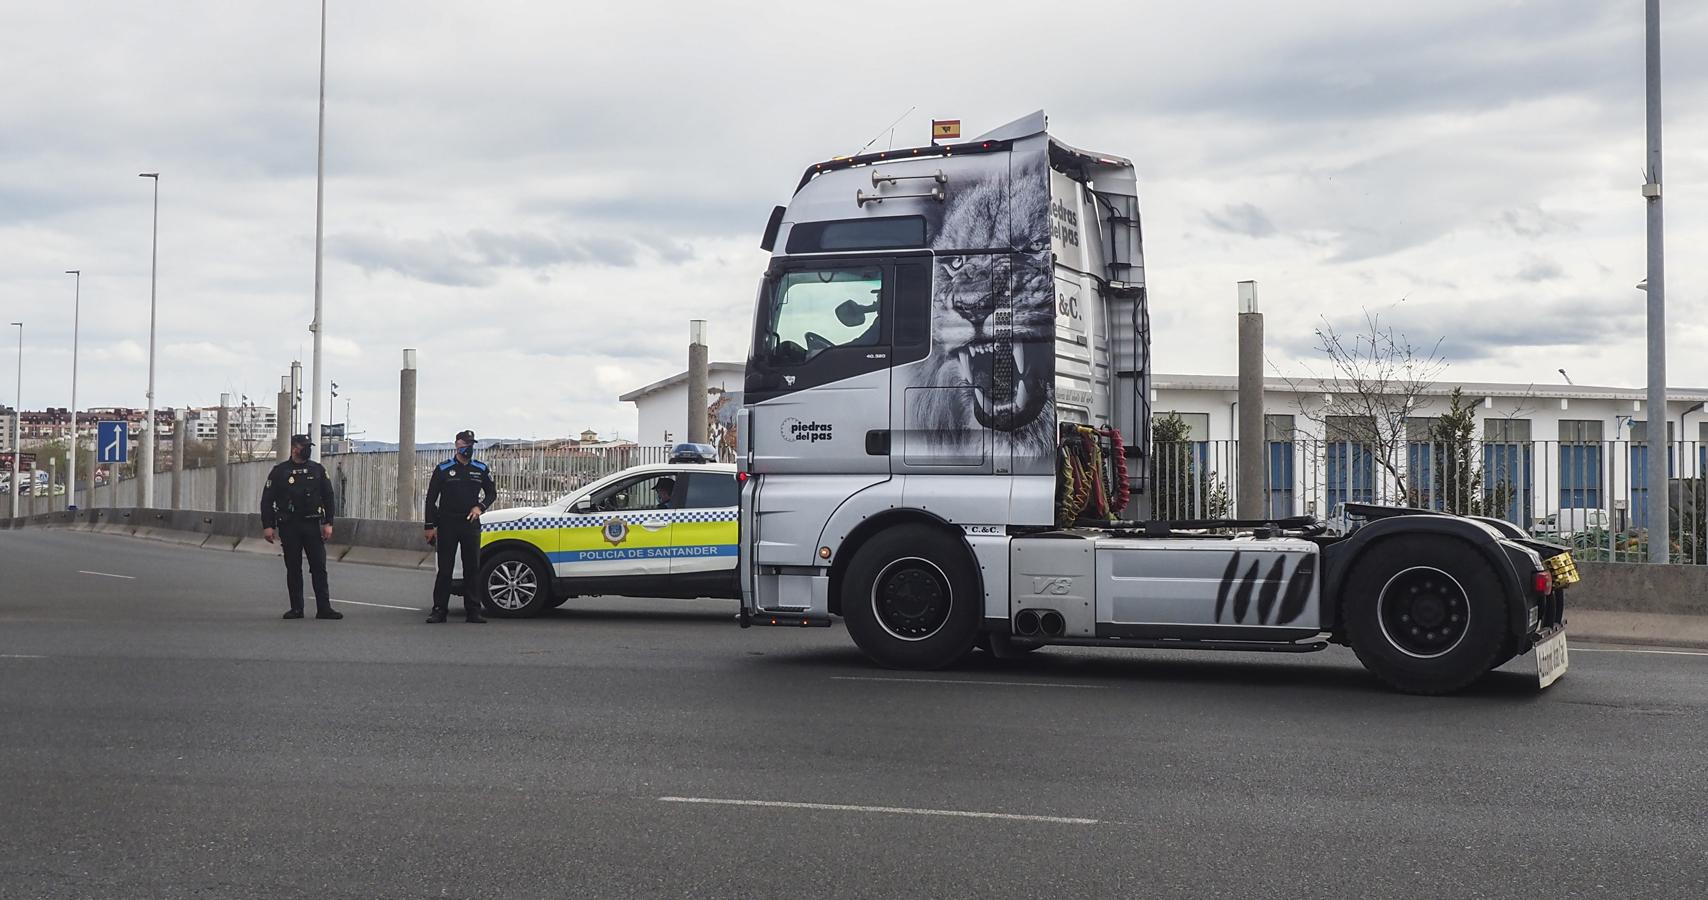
point(512, 585)
point(912, 599)
point(1424, 612)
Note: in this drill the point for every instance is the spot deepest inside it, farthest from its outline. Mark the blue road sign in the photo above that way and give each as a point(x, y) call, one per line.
point(112, 442)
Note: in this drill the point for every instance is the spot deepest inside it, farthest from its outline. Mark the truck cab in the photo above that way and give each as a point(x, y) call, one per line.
point(944, 440)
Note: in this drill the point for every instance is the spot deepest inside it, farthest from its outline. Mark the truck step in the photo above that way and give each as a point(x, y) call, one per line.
point(1186, 644)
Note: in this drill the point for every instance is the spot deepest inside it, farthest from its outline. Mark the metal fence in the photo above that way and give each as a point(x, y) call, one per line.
point(365, 484)
point(1590, 495)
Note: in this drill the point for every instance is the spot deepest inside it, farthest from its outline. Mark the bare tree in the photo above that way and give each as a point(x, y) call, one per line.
point(1375, 381)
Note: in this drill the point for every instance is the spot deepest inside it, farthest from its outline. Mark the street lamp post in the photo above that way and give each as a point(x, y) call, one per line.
point(71, 450)
point(147, 469)
point(319, 206)
point(18, 422)
point(1657, 519)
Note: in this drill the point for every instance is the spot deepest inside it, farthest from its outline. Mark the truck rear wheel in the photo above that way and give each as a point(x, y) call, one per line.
point(910, 599)
point(1425, 614)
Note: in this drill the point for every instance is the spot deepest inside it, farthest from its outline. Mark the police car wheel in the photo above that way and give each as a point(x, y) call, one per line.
point(513, 585)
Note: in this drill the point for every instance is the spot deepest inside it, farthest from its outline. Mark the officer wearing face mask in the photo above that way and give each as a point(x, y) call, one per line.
point(460, 490)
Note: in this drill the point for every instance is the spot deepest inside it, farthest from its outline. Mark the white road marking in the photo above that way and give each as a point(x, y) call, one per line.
point(1635, 650)
point(381, 605)
point(968, 681)
point(106, 575)
point(19, 656)
point(899, 810)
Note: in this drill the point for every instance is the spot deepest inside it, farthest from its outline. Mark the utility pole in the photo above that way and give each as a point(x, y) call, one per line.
point(222, 450)
point(18, 423)
point(146, 470)
point(1657, 519)
point(284, 424)
point(178, 439)
point(697, 374)
point(71, 449)
point(1252, 463)
point(319, 206)
point(406, 439)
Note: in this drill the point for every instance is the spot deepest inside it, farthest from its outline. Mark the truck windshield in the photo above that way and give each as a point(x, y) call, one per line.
point(811, 311)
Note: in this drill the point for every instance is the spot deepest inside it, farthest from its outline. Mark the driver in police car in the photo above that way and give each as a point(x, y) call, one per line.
point(663, 489)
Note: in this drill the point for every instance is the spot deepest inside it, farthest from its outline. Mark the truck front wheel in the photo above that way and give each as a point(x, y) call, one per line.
point(1425, 614)
point(910, 599)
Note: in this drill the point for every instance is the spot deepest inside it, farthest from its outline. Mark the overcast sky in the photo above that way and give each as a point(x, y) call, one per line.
point(539, 196)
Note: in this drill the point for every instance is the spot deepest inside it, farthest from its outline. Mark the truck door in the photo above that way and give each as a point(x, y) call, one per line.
point(818, 381)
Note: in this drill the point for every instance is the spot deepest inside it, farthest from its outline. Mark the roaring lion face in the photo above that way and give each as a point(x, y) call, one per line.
point(992, 317)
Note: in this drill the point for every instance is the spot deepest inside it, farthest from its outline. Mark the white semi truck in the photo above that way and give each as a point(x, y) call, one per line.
point(944, 441)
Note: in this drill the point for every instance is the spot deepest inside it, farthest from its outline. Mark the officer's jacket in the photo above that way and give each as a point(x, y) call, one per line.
point(297, 490)
point(455, 488)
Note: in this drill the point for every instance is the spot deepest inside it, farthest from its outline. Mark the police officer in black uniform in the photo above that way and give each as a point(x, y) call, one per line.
point(296, 508)
point(460, 490)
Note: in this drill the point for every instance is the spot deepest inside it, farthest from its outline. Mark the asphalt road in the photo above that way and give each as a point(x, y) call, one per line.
point(165, 734)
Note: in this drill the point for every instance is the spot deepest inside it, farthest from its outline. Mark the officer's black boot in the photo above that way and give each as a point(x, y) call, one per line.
point(436, 616)
point(473, 615)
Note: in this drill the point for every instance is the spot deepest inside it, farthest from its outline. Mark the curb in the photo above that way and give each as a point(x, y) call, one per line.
point(1641, 629)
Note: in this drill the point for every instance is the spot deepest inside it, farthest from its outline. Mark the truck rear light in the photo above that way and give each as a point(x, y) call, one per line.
point(1544, 584)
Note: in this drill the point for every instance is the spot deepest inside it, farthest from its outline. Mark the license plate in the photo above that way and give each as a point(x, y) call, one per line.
point(1550, 660)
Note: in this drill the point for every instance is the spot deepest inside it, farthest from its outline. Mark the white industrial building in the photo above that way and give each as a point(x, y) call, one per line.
point(1550, 447)
point(662, 406)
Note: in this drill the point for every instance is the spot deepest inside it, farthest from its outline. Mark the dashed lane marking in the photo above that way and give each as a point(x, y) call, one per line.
point(892, 810)
point(971, 682)
point(381, 605)
point(106, 574)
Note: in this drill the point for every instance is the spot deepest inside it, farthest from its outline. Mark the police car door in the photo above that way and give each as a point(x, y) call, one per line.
point(705, 530)
point(618, 532)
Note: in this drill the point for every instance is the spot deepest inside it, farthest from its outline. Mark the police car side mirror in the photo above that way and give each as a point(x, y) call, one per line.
point(582, 506)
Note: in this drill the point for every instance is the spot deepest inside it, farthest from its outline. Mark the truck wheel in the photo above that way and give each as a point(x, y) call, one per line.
point(513, 585)
point(1426, 614)
point(910, 599)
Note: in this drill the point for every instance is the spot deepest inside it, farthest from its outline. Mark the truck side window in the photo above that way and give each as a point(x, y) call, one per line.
point(816, 310)
point(913, 304)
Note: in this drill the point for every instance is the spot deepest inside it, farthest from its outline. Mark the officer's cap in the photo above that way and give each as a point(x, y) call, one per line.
point(466, 435)
point(301, 440)
point(665, 484)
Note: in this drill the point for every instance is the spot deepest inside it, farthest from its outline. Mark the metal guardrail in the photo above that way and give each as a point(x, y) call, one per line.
point(1591, 496)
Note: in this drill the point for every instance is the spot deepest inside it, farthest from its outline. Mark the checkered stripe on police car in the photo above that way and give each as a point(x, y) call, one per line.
point(532, 523)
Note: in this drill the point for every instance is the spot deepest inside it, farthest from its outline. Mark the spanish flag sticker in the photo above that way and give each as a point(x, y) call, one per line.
point(945, 128)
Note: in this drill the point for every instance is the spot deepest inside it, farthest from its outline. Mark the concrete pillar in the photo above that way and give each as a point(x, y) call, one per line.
point(1253, 463)
point(178, 439)
point(89, 500)
point(140, 464)
point(222, 461)
point(406, 509)
point(52, 482)
point(697, 371)
point(282, 440)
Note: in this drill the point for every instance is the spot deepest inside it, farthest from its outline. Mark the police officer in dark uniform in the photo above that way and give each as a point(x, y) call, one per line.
point(296, 508)
point(459, 491)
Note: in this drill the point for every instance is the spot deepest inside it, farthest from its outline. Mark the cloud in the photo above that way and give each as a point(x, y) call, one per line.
point(1539, 269)
point(1242, 219)
point(1479, 159)
point(476, 257)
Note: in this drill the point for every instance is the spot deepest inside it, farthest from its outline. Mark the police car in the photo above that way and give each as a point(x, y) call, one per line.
point(666, 530)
